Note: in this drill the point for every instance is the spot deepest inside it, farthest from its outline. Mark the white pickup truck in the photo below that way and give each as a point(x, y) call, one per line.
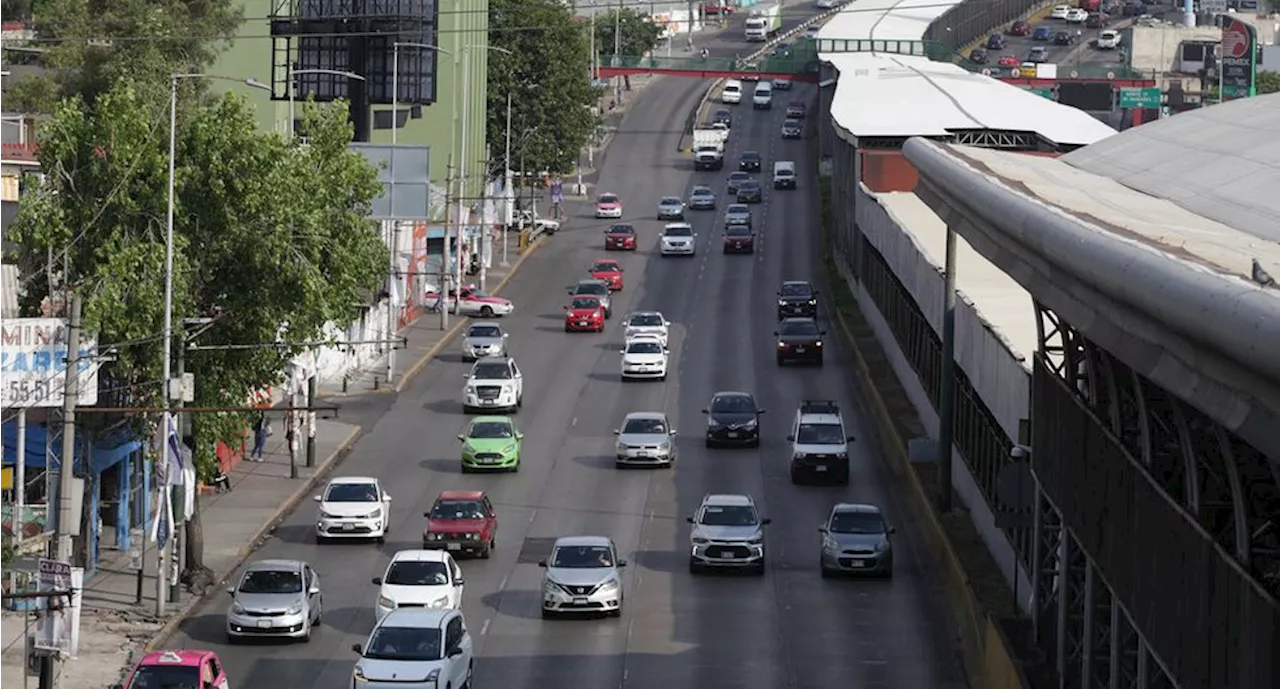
point(708, 148)
point(763, 23)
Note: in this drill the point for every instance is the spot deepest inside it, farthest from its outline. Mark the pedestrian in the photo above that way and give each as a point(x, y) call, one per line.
point(261, 431)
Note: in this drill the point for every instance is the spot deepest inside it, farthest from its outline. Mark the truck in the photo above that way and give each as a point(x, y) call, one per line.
point(708, 148)
point(763, 23)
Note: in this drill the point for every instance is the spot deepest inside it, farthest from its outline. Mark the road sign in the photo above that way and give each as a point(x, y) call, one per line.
point(986, 71)
point(1111, 75)
point(1132, 97)
point(1075, 74)
point(1015, 72)
point(33, 358)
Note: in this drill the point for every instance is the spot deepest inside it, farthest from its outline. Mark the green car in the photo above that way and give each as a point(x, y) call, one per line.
point(491, 443)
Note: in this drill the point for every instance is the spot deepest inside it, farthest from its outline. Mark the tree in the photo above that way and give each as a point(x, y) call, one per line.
point(630, 32)
point(552, 99)
point(1267, 82)
point(271, 239)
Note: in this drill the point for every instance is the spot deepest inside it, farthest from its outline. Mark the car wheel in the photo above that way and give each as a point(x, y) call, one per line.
point(819, 362)
point(520, 401)
point(619, 466)
point(758, 570)
point(548, 614)
point(616, 612)
point(321, 540)
point(608, 313)
point(466, 409)
point(486, 312)
point(466, 469)
point(662, 378)
point(795, 477)
point(319, 615)
point(711, 443)
point(694, 567)
point(568, 329)
point(381, 539)
point(471, 675)
point(827, 573)
point(484, 553)
point(306, 633)
point(780, 361)
point(232, 640)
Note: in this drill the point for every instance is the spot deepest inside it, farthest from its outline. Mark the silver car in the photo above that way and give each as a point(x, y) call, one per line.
point(670, 208)
point(702, 199)
point(737, 214)
point(277, 599)
point(856, 540)
point(645, 439)
point(728, 533)
point(582, 577)
point(651, 323)
point(484, 339)
point(594, 288)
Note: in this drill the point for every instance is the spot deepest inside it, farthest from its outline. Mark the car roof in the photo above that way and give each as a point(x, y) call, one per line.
point(484, 324)
point(649, 415)
point(822, 419)
point(732, 393)
point(645, 313)
point(461, 495)
point(806, 283)
point(358, 480)
point(859, 507)
point(274, 565)
point(591, 281)
point(491, 360)
point(608, 193)
point(614, 261)
point(644, 337)
point(798, 319)
point(671, 199)
point(728, 500)
point(702, 188)
point(491, 419)
point(415, 617)
point(420, 556)
point(181, 657)
point(672, 225)
point(581, 540)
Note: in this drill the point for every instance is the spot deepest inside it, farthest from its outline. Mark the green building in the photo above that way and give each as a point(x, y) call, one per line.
point(463, 30)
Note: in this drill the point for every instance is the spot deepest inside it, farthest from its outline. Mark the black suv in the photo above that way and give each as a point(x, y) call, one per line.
point(750, 162)
point(797, 298)
point(799, 339)
point(722, 116)
point(733, 418)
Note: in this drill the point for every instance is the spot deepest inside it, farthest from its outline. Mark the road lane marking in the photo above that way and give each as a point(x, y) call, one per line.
point(574, 422)
point(484, 628)
point(533, 515)
point(502, 586)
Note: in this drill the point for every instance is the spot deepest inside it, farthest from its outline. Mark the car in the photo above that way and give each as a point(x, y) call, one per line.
point(799, 339)
point(1063, 38)
point(584, 313)
point(678, 239)
point(812, 30)
point(463, 522)
point(856, 539)
point(490, 443)
point(996, 41)
point(643, 357)
point(582, 576)
point(1108, 40)
point(1096, 20)
point(620, 238)
point(645, 438)
point(493, 385)
point(1042, 33)
point(978, 56)
point(797, 298)
point(782, 83)
point(722, 116)
point(1038, 55)
point(819, 443)
point(278, 599)
point(735, 178)
point(483, 339)
point(472, 301)
point(416, 648)
point(648, 323)
point(728, 533)
point(1077, 16)
point(781, 50)
point(737, 214)
point(739, 239)
point(608, 271)
point(1008, 61)
point(670, 208)
point(784, 174)
point(702, 199)
point(797, 110)
point(1060, 11)
point(419, 579)
point(792, 128)
point(715, 9)
point(177, 668)
point(731, 93)
point(608, 205)
point(353, 507)
point(594, 288)
point(1019, 28)
point(750, 161)
point(733, 418)
point(750, 191)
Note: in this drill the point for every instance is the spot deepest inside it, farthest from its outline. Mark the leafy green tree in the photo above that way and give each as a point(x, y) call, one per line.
point(636, 32)
point(546, 74)
point(1268, 82)
point(271, 240)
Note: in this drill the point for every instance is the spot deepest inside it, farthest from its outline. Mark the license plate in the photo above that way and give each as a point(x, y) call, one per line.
point(643, 454)
point(348, 527)
point(579, 601)
point(733, 434)
point(454, 546)
point(728, 556)
point(799, 350)
point(857, 564)
point(264, 624)
point(582, 323)
point(820, 469)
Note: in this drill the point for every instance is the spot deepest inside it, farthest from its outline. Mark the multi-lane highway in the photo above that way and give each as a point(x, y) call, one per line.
point(1081, 53)
point(790, 628)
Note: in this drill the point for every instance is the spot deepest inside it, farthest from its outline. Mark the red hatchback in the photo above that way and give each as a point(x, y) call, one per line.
point(620, 237)
point(584, 315)
point(609, 271)
point(462, 521)
point(1020, 28)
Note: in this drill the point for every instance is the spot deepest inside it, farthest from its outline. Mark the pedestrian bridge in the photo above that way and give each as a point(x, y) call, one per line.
point(796, 68)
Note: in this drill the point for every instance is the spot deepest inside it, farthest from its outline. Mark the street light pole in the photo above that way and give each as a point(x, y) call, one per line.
point(462, 165)
point(506, 184)
point(295, 73)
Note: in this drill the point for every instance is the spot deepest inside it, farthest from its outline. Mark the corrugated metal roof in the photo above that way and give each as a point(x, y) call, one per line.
point(915, 97)
point(887, 19)
point(1221, 162)
point(9, 291)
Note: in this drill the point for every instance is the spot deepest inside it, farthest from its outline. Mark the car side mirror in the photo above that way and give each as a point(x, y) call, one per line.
point(386, 498)
point(542, 563)
point(622, 563)
point(459, 581)
point(766, 521)
point(689, 519)
point(356, 648)
point(461, 437)
point(376, 581)
point(671, 432)
point(704, 411)
point(775, 333)
point(849, 439)
point(315, 591)
point(519, 436)
point(617, 432)
point(316, 498)
point(759, 411)
point(566, 308)
point(667, 323)
point(231, 590)
point(822, 332)
point(791, 438)
point(622, 351)
point(893, 529)
point(506, 335)
point(822, 529)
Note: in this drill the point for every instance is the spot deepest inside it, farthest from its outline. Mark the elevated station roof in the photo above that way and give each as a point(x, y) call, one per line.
point(885, 19)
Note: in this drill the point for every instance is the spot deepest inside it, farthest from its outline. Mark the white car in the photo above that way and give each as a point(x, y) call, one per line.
point(419, 579)
point(1076, 16)
point(728, 532)
point(648, 323)
point(493, 385)
point(582, 577)
point(731, 94)
point(1060, 11)
point(644, 357)
point(827, 4)
point(353, 507)
point(1109, 40)
point(678, 239)
point(415, 648)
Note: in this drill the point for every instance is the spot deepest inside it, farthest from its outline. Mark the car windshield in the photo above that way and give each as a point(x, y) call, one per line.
point(166, 677)
point(644, 348)
point(494, 371)
point(738, 176)
point(749, 184)
point(738, 208)
point(458, 509)
point(644, 427)
point(797, 105)
point(351, 492)
point(733, 404)
point(784, 172)
point(856, 522)
point(490, 430)
point(592, 288)
point(820, 434)
point(671, 201)
point(646, 320)
point(607, 198)
point(585, 303)
point(751, 156)
point(271, 581)
point(678, 231)
point(404, 643)
point(729, 515)
point(702, 191)
point(795, 289)
point(799, 329)
point(484, 331)
point(621, 229)
point(582, 556)
point(791, 123)
point(604, 267)
point(738, 231)
point(417, 574)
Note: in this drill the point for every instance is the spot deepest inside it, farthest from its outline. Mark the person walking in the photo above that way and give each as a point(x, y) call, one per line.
point(261, 431)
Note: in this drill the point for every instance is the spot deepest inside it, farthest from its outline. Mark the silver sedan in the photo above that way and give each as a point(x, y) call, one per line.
point(737, 214)
point(645, 439)
point(484, 339)
point(670, 208)
point(275, 598)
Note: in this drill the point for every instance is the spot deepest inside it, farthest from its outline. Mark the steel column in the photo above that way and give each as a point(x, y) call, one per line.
point(1239, 513)
point(1191, 467)
point(1144, 666)
point(1144, 418)
point(1086, 627)
point(1064, 606)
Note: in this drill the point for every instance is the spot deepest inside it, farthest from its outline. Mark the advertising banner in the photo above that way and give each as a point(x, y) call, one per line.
point(59, 616)
point(1238, 68)
point(33, 358)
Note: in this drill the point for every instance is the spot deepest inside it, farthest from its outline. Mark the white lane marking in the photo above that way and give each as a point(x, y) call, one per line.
point(484, 628)
point(533, 515)
point(574, 422)
point(502, 586)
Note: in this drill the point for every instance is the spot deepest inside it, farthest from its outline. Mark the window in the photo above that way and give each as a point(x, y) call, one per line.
point(491, 430)
point(645, 427)
point(729, 515)
point(484, 331)
point(582, 556)
point(165, 677)
point(271, 581)
point(820, 434)
point(215, 668)
point(644, 348)
point(404, 643)
point(411, 573)
point(857, 523)
point(492, 371)
point(454, 634)
point(458, 509)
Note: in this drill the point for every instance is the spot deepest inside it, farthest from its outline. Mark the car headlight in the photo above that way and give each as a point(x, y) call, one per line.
point(509, 449)
point(435, 536)
point(376, 514)
point(712, 423)
point(830, 544)
point(609, 586)
point(357, 674)
point(750, 424)
point(755, 540)
point(441, 602)
point(813, 302)
point(799, 455)
point(470, 390)
point(698, 540)
point(237, 608)
point(384, 602)
point(621, 447)
point(818, 343)
point(664, 447)
point(294, 609)
point(473, 536)
point(432, 676)
point(781, 303)
point(882, 546)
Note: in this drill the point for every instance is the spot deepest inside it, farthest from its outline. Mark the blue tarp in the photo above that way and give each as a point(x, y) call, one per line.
point(105, 454)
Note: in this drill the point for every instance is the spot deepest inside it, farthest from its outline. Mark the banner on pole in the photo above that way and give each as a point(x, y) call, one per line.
point(55, 626)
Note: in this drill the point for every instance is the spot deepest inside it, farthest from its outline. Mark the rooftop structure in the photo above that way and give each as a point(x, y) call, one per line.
point(885, 19)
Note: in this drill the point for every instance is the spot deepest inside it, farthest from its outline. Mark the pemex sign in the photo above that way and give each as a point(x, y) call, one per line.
point(1238, 66)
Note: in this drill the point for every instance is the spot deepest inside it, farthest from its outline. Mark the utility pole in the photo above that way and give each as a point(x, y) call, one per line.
point(67, 474)
point(178, 497)
point(617, 51)
point(311, 420)
point(443, 289)
point(510, 215)
point(485, 227)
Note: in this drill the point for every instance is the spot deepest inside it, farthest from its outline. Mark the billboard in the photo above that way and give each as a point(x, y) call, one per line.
point(1238, 68)
point(33, 364)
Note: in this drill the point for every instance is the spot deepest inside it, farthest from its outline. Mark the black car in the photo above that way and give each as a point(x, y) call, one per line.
point(978, 56)
point(1096, 20)
point(792, 128)
point(1064, 38)
point(797, 298)
point(722, 116)
point(735, 180)
point(996, 42)
point(750, 191)
point(733, 418)
point(782, 50)
point(750, 161)
point(799, 339)
point(739, 239)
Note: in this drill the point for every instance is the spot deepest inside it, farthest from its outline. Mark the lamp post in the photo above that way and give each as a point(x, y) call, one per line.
point(462, 170)
point(295, 73)
point(162, 569)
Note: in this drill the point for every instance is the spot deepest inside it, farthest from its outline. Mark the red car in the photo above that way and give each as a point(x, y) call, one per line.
point(608, 270)
point(1020, 28)
point(739, 239)
point(1008, 61)
point(584, 315)
point(620, 237)
point(178, 668)
point(462, 521)
point(714, 9)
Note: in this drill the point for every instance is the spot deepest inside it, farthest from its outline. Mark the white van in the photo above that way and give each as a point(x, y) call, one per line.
point(763, 97)
point(731, 94)
point(784, 174)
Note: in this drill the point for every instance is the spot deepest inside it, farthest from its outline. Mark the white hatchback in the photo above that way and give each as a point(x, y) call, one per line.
point(678, 239)
point(1060, 12)
point(644, 357)
point(420, 579)
point(731, 94)
point(353, 507)
point(648, 323)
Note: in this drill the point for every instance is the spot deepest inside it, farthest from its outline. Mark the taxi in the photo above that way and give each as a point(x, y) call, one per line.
point(609, 271)
point(178, 668)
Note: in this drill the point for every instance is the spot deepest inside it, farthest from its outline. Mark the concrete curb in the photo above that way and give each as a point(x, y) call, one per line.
point(171, 625)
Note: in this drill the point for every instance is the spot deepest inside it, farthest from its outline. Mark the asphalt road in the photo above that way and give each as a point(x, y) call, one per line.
point(790, 628)
point(1080, 54)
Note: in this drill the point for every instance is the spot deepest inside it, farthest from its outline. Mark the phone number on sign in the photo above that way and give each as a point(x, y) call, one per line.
point(27, 392)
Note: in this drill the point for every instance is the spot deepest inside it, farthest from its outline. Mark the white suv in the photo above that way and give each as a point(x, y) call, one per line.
point(678, 239)
point(728, 532)
point(493, 385)
point(819, 443)
point(644, 356)
point(731, 94)
point(353, 507)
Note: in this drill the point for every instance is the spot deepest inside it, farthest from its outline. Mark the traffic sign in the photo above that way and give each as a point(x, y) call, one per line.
point(1075, 74)
point(1015, 72)
point(1111, 75)
point(1131, 97)
point(986, 71)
